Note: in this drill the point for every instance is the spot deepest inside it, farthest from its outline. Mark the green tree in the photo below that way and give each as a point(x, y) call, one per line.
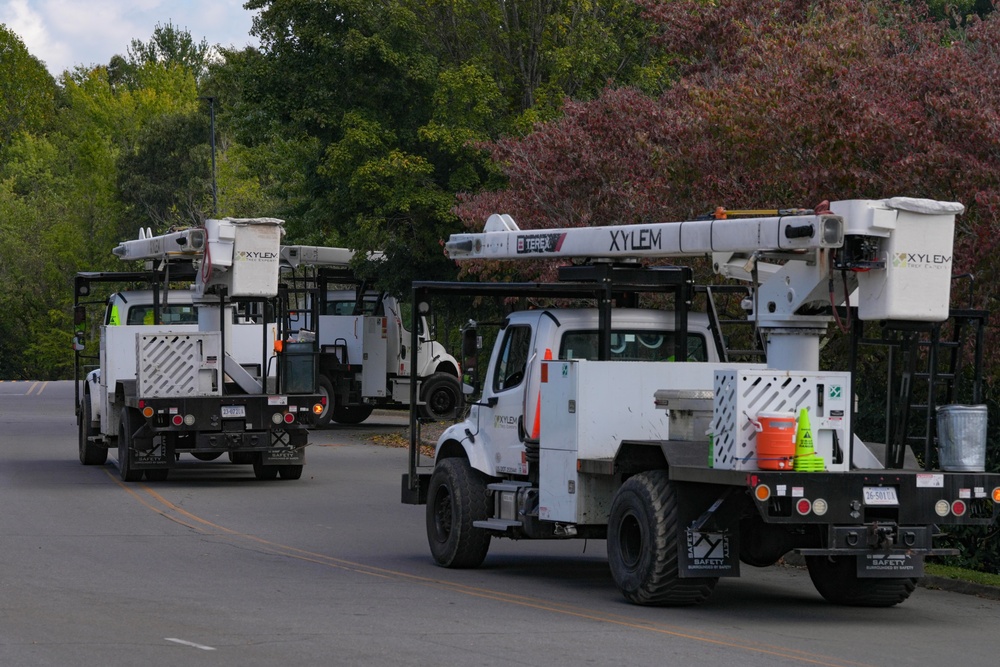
point(166, 180)
point(390, 103)
point(27, 91)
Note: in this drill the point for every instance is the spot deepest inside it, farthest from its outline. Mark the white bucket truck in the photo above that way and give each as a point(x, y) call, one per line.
point(365, 352)
point(636, 425)
point(205, 370)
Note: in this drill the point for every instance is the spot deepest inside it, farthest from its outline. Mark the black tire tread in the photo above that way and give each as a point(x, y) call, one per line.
point(125, 430)
point(837, 581)
point(91, 454)
point(351, 414)
point(652, 499)
point(465, 546)
point(290, 471)
point(434, 383)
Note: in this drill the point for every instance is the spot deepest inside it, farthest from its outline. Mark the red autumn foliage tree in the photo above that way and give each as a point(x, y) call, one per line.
point(778, 103)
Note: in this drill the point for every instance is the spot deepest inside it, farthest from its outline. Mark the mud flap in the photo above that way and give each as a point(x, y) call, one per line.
point(284, 457)
point(710, 544)
point(149, 451)
point(890, 565)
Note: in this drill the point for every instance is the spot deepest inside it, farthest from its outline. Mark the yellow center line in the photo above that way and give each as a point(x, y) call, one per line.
point(207, 527)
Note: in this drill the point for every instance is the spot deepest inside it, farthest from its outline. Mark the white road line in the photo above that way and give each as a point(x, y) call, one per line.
point(191, 644)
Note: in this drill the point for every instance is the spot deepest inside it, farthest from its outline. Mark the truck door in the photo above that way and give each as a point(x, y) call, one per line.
point(501, 425)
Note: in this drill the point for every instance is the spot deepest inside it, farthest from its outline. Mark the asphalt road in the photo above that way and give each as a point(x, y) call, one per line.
point(216, 568)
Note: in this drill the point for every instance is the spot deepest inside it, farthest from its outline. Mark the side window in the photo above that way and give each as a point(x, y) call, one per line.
point(631, 345)
point(513, 359)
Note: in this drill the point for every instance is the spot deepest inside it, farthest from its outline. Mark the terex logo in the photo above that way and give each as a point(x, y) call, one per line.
point(919, 260)
point(529, 243)
point(256, 255)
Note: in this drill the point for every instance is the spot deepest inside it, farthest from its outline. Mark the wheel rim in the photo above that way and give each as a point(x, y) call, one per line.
point(630, 540)
point(442, 401)
point(442, 515)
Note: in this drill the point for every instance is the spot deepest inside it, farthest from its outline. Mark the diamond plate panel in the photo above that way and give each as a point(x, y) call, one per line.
point(179, 364)
point(742, 395)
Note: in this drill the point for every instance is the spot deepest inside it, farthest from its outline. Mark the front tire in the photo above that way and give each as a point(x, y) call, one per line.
point(836, 579)
point(442, 397)
point(456, 497)
point(126, 428)
point(643, 529)
point(91, 454)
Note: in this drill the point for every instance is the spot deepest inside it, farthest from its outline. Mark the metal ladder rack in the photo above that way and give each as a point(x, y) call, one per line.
point(730, 322)
point(930, 364)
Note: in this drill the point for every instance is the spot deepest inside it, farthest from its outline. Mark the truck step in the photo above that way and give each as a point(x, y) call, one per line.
point(496, 524)
point(507, 486)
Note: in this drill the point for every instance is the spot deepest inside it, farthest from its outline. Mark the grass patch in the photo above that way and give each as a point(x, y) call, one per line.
point(951, 572)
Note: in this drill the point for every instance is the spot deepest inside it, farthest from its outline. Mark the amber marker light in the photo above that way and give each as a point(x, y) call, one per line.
point(762, 492)
point(318, 409)
point(996, 495)
point(147, 412)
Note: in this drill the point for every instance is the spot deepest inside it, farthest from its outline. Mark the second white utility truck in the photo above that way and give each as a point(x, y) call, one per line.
point(365, 351)
point(639, 425)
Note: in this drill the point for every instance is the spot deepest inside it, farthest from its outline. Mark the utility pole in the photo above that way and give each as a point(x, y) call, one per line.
point(215, 193)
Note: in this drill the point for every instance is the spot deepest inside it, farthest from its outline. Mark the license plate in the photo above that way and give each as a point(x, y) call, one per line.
point(881, 495)
point(233, 411)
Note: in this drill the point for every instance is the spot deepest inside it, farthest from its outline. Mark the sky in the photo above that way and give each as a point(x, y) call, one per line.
point(67, 33)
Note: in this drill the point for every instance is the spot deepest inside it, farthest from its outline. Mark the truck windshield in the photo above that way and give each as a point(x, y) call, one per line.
point(631, 345)
point(347, 307)
point(178, 314)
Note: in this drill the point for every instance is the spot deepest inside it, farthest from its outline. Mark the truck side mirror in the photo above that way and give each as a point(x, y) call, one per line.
point(471, 343)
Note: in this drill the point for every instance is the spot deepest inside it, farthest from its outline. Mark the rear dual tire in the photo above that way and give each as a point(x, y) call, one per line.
point(837, 580)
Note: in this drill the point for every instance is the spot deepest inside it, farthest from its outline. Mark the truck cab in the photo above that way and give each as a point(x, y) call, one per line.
point(503, 424)
point(136, 308)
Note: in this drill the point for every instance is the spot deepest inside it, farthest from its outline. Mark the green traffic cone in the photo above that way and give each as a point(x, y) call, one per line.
point(806, 458)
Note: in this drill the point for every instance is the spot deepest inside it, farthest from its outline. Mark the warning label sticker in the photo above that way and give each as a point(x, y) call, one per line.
point(890, 565)
point(709, 554)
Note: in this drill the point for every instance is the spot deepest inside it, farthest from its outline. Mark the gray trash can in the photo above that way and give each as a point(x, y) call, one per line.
point(962, 437)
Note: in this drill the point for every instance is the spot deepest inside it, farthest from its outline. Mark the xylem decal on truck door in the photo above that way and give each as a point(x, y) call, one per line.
point(508, 386)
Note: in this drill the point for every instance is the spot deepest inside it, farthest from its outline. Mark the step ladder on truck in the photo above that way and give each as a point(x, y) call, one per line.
point(634, 425)
point(194, 355)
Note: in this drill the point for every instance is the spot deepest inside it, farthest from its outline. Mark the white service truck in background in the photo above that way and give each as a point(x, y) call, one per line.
point(194, 356)
point(640, 426)
point(365, 351)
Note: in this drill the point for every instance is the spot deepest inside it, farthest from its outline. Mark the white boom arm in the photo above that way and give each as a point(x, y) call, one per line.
point(894, 254)
point(503, 239)
point(311, 255)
